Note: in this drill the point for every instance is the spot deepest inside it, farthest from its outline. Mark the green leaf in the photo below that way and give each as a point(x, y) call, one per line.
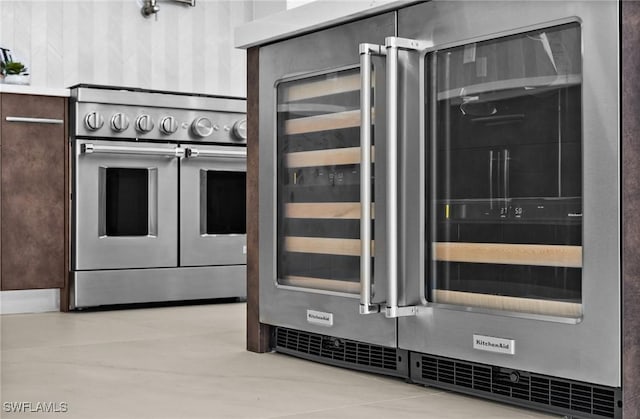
point(13, 67)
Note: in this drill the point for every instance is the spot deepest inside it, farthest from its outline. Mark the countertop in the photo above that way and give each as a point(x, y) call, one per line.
point(309, 17)
point(34, 90)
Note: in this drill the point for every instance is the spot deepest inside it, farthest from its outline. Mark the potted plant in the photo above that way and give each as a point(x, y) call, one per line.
point(15, 72)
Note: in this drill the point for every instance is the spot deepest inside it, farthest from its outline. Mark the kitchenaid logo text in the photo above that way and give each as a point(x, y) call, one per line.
point(320, 318)
point(492, 344)
point(35, 407)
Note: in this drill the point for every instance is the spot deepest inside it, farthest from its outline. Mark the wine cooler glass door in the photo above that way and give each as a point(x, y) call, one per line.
point(319, 175)
point(506, 160)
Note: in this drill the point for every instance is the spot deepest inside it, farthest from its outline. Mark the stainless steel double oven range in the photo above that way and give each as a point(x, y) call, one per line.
point(440, 199)
point(158, 210)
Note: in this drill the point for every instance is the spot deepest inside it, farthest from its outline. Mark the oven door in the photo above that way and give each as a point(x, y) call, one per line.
point(319, 268)
point(512, 250)
point(213, 206)
point(125, 205)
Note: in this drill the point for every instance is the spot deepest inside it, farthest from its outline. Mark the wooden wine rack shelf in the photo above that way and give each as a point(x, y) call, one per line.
point(510, 254)
point(324, 122)
point(320, 88)
point(340, 247)
point(501, 302)
point(328, 157)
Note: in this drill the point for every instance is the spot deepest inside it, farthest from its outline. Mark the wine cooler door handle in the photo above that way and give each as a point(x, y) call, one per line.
point(392, 45)
point(366, 51)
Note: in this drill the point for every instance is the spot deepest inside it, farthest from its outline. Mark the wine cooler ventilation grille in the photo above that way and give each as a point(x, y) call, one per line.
point(338, 351)
point(548, 393)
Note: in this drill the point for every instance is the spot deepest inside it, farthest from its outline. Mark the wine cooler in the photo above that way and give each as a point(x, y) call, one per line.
point(440, 199)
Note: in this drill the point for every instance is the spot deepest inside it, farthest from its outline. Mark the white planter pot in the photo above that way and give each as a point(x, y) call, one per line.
point(16, 79)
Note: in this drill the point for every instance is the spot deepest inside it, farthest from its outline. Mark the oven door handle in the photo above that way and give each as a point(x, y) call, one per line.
point(89, 148)
point(234, 154)
point(393, 45)
point(366, 51)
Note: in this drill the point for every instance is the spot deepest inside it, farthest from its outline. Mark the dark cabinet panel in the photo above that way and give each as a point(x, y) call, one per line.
point(34, 190)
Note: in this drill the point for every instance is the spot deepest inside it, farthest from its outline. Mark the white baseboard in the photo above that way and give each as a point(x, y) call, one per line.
point(29, 301)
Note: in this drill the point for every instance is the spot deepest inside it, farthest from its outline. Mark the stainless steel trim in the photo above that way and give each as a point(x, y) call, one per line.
point(202, 192)
point(89, 148)
point(428, 307)
point(159, 100)
point(366, 50)
point(493, 35)
point(393, 312)
point(309, 74)
point(152, 206)
point(427, 138)
point(152, 210)
point(235, 154)
point(34, 120)
point(102, 200)
point(317, 291)
point(159, 116)
point(128, 286)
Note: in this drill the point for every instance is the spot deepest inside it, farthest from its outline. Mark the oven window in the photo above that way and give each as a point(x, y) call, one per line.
point(318, 174)
point(126, 201)
point(225, 202)
point(506, 174)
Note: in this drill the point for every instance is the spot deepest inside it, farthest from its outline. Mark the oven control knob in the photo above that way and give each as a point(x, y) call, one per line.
point(144, 123)
point(93, 121)
point(119, 122)
point(202, 127)
point(168, 125)
point(239, 130)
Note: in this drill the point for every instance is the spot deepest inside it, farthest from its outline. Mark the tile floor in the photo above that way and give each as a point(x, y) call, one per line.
point(190, 362)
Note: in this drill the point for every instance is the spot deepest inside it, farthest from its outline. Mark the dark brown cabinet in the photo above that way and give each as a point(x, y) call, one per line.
point(34, 192)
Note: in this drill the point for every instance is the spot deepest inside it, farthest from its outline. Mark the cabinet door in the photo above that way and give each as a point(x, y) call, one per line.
point(33, 162)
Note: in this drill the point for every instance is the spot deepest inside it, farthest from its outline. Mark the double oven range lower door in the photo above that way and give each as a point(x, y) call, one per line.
point(157, 222)
point(450, 193)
